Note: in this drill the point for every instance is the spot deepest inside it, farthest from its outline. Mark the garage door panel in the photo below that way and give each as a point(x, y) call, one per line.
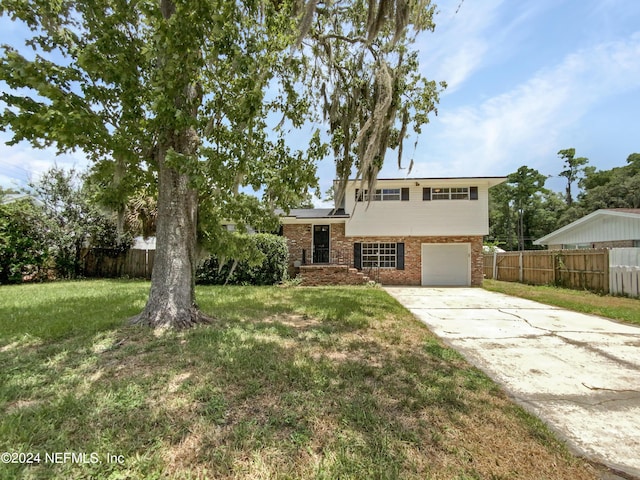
point(446, 264)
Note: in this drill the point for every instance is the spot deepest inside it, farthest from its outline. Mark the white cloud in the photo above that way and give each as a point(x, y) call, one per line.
point(20, 163)
point(521, 126)
point(458, 46)
point(473, 36)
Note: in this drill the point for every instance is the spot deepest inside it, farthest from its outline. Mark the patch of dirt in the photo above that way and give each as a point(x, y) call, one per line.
point(177, 381)
point(293, 320)
point(13, 407)
point(184, 455)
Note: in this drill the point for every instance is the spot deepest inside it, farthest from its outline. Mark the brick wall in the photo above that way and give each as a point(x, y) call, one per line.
point(315, 275)
point(614, 244)
point(299, 238)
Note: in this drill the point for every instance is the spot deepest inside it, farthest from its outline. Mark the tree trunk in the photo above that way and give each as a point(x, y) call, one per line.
point(569, 197)
point(521, 230)
point(171, 300)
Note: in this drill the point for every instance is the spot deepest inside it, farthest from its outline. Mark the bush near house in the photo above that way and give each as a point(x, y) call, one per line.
point(267, 266)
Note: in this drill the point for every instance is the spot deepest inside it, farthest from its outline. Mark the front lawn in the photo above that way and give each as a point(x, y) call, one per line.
point(288, 383)
point(617, 308)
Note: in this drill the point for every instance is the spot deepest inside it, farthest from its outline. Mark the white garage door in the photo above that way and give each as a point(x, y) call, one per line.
point(446, 264)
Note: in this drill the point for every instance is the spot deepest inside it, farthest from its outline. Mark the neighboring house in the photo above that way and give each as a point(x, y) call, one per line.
point(605, 228)
point(420, 231)
point(141, 243)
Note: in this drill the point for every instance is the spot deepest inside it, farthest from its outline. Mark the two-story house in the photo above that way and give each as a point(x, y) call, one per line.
point(420, 231)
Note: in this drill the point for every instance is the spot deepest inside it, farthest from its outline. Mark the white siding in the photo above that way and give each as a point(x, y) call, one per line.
point(417, 217)
point(604, 228)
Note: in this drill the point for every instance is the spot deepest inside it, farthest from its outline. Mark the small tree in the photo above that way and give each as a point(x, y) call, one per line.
point(527, 183)
point(73, 222)
point(502, 221)
point(573, 167)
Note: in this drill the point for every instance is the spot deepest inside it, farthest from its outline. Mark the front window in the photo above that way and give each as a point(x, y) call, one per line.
point(381, 255)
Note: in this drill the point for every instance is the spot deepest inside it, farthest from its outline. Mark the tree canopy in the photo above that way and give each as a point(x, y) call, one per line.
point(180, 96)
point(547, 211)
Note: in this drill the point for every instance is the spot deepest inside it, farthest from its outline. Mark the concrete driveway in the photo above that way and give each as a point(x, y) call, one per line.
point(579, 373)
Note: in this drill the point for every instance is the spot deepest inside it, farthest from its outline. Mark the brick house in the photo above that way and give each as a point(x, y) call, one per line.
point(421, 231)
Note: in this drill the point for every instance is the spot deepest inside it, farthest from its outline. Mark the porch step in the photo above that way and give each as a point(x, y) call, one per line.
point(332, 275)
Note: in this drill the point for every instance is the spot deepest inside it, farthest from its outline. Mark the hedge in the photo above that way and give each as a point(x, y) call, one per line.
point(271, 270)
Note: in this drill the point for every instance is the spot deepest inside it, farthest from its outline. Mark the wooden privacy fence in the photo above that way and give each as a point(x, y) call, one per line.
point(578, 269)
point(104, 263)
point(624, 271)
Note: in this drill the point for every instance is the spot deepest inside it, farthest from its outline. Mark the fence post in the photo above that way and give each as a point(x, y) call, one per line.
point(520, 268)
point(607, 272)
point(146, 263)
point(495, 265)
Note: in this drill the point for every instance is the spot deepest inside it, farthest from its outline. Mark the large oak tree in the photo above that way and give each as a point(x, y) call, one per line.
point(182, 94)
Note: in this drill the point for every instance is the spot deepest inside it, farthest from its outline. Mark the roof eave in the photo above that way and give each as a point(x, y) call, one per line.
point(587, 218)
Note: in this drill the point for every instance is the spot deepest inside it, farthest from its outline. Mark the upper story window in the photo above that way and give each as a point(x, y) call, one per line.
point(450, 193)
point(383, 195)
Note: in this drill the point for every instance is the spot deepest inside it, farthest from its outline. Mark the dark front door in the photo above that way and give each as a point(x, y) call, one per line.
point(321, 244)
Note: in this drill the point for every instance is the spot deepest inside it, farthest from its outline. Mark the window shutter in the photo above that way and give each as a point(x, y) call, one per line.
point(357, 194)
point(399, 256)
point(426, 193)
point(473, 193)
point(357, 255)
point(404, 196)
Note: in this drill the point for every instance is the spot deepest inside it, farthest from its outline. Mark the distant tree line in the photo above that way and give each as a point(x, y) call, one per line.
point(522, 210)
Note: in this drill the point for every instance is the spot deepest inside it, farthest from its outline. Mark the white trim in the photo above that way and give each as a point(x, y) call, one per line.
point(311, 221)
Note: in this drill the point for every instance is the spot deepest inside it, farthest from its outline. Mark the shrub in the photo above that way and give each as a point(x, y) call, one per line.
point(23, 241)
point(74, 221)
point(267, 266)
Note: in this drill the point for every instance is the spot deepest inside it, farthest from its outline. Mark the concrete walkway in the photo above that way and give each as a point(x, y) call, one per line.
point(579, 373)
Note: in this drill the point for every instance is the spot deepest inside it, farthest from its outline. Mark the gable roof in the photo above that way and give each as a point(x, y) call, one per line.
point(624, 210)
point(583, 229)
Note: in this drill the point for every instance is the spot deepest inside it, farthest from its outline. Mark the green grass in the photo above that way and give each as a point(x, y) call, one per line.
point(617, 308)
point(287, 383)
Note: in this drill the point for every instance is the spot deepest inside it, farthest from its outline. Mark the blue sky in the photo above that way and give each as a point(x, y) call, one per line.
point(526, 78)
